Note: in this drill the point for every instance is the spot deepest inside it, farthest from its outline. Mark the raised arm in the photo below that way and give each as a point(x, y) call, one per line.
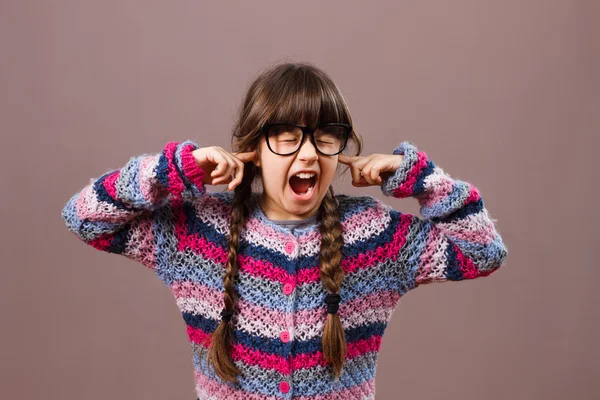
point(124, 211)
point(455, 238)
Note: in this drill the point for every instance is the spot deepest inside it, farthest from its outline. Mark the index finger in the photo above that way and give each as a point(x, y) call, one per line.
point(244, 157)
point(345, 159)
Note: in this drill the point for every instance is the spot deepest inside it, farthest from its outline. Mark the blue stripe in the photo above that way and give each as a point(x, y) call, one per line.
point(355, 373)
point(489, 253)
point(452, 272)
point(419, 186)
point(103, 195)
point(275, 345)
point(195, 226)
point(461, 213)
point(162, 170)
point(119, 240)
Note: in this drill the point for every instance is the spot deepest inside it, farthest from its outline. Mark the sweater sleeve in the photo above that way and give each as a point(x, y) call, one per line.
point(454, 239)
point(128, 211)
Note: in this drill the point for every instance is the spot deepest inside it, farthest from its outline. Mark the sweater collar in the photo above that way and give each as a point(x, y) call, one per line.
point(257, 213)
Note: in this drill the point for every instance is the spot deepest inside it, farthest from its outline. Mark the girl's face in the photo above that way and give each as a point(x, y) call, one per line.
point(278, 200)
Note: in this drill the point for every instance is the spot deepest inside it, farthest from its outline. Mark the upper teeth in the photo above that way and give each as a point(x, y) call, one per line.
point(305, 175)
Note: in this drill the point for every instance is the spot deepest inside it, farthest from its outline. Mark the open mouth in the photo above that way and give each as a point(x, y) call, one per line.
point(303, 185)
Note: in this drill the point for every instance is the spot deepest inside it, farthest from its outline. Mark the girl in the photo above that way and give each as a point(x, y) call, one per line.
point(287, 290)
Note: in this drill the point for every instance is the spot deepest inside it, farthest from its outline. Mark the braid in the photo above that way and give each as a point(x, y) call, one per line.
point(333, 341)
point(222, 338)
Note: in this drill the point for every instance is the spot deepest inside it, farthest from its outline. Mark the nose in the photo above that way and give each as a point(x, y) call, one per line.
point(307, 150)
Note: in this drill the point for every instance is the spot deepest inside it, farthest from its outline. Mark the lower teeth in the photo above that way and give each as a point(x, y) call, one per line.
point(310, 189)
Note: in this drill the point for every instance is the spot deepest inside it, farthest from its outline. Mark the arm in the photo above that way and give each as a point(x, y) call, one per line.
point(125, 210)
point(456, 239)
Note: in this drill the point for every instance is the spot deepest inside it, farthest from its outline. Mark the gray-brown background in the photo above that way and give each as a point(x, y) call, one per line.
point(503, 94)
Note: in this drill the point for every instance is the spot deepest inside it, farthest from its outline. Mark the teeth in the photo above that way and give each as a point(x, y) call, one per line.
point(305, 175)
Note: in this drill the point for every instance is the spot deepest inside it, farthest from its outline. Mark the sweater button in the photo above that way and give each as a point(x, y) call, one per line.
point(289, 247)
point(288, 288)
point(284, 387)
point(284, 336)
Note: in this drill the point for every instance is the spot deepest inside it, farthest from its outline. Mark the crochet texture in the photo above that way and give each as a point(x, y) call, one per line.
point(155, 210)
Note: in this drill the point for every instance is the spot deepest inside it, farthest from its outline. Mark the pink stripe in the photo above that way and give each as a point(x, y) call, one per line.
point(259, 358)
point(376, 305)
point(255, 225)
point(101, 243)
point(83, 211)
point(406, 188)
point(468, 269)
point(264, 269)
point(261, 229)
point(353, 350)
point(191, 169)
point(176, 186)
point(428, 258)
point(141, 246)
point(250, 356)
point(485, 232)
point(110, 184)
point(89, 207)
point(438, 186)
point(147, 179)
point(474, 195)
point(390, 250)
point(198, 244)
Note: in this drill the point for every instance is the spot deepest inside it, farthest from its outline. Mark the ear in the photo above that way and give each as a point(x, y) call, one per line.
point(256, 159)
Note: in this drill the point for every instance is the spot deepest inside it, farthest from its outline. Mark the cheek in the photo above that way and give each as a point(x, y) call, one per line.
point(328, 171)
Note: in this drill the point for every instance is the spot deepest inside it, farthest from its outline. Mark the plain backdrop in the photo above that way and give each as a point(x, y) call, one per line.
point(503, 94)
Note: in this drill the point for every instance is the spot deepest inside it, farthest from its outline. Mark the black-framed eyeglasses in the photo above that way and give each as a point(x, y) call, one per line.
point(285, 139)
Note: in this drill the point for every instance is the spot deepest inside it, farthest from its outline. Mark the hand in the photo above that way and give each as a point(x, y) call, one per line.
point(372, 169)
point(221, 166)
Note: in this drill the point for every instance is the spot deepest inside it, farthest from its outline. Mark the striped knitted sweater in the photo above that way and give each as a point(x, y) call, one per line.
point(155, 210)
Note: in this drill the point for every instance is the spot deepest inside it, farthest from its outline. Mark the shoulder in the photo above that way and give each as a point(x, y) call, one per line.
point(367, 205)
point(212, 208)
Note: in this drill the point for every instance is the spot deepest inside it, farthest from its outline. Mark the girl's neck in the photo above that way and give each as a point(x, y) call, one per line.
point(273, 214)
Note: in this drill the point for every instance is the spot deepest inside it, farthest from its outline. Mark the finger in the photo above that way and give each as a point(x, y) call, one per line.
point(362, 183)
point(218, 159)
point(239, 174)
point(345, 159)
point(367, 177)
point(355, 172)
point(356, 167)
point(224, 169)
point(364, 170)
point(375, 170)
point(222, 179)
point(245, 157)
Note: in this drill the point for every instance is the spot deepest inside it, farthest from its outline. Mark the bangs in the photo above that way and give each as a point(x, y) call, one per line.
point(302, 96)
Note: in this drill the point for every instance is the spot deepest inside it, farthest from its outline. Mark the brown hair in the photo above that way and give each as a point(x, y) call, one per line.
point(287, 92)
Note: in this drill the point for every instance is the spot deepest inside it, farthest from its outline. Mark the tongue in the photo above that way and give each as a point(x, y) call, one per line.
point(300, 185)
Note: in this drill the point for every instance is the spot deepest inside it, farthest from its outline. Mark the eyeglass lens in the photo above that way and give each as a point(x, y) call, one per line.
point(285, 139)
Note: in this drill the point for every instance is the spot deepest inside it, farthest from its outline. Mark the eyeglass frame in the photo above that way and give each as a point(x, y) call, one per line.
point(305, 129)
